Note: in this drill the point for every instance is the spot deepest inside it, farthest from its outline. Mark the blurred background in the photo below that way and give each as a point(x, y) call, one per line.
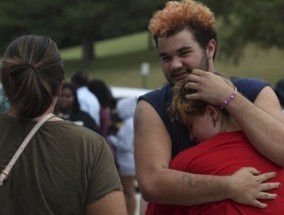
point(109, 39)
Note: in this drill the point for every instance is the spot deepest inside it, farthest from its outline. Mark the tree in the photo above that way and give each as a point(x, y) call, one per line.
point(66, 21)
point(72, 21)
point(242, 22)
point(131, 16)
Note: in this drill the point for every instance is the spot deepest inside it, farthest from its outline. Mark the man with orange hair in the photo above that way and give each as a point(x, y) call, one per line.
point(186, 39)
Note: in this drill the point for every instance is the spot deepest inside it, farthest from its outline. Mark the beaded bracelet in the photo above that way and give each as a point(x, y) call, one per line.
point(231, 97)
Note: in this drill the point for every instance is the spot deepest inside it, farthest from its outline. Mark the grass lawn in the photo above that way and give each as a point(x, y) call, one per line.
point(119, 61)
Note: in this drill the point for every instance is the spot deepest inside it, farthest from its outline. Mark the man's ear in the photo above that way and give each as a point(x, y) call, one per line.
point(211, 48)
point(215, 114)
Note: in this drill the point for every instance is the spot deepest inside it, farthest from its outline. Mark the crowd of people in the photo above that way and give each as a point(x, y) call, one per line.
point(200, 144)
point(112, 119)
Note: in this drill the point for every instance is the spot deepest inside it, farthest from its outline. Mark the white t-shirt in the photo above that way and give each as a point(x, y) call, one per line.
point(89, 103)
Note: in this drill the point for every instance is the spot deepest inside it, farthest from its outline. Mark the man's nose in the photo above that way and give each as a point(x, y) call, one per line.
point(176, 63)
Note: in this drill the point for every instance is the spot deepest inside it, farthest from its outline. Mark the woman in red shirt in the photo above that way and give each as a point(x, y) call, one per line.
point(222, 149)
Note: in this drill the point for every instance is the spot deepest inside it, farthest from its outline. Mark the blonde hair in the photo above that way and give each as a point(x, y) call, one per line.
point(183, 109)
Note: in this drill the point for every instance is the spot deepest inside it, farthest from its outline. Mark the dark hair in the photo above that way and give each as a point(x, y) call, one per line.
point(31, 73)
point(101, 91)
point(79, 79)
point(70, 87)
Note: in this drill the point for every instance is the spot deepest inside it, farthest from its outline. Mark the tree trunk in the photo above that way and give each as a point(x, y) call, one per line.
point(150, 41)
point(88, 49)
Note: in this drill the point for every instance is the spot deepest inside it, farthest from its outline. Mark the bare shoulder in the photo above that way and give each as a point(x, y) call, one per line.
point(268, 101)
point(144, 110)
point(146, 117)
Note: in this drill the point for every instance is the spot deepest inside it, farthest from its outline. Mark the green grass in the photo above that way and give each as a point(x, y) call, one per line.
point(121, 45)
point(119, 60)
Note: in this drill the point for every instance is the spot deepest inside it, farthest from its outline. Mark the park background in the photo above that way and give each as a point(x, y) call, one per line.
point(109, 39)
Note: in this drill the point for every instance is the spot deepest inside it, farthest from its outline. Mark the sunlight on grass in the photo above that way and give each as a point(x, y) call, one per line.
point(71, 53)
point(120, 45)
point(119, 61)
point(257, 63)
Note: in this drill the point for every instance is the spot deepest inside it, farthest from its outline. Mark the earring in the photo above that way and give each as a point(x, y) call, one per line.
point(214, 123)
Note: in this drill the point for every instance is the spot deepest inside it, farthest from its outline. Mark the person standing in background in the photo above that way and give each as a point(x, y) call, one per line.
point(68, 108)
point(4, 103)
point(123, 143)
point(87, 100)
point(104, 95)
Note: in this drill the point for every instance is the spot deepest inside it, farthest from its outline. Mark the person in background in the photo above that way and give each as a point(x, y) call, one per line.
point(68, 108)
point(104, 95)
point(4, 103)
point(279, 90)
point(87, 100)
point(123, 143)
point(222, 148)
point(186, 39)
point(65, 168)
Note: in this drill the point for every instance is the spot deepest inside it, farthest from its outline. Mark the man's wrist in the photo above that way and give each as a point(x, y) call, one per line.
point(229, 98)
point(227, 187)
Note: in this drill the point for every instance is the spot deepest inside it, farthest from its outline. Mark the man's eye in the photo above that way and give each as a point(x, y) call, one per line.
point(184, 53)
point(165, 58)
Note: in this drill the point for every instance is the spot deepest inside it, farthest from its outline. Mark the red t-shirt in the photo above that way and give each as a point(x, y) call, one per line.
point(223, 154)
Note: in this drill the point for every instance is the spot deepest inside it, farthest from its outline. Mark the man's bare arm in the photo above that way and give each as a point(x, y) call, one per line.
point(160, 184)
point(262, 125)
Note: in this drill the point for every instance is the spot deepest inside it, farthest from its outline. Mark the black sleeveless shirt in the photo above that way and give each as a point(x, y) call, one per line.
point(160, 99)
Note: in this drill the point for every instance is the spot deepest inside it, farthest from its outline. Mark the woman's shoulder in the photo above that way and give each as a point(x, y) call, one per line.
point(72, 132)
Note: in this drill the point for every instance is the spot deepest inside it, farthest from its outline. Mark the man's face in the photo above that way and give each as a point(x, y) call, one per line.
point(179, 55)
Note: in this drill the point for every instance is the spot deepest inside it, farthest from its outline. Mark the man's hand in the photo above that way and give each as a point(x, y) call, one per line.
point(246, 186)
point(211, 88)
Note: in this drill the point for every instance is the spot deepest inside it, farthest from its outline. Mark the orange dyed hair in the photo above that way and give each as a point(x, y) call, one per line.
point(178, 15)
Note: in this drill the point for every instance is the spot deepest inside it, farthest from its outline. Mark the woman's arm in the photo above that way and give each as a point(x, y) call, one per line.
point(112, 203)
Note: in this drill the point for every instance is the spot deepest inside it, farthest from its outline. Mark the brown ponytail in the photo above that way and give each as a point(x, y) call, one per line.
point(32, 71)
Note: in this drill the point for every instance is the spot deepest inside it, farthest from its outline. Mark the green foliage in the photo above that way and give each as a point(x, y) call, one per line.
point(242, 22)
point(72, 22)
